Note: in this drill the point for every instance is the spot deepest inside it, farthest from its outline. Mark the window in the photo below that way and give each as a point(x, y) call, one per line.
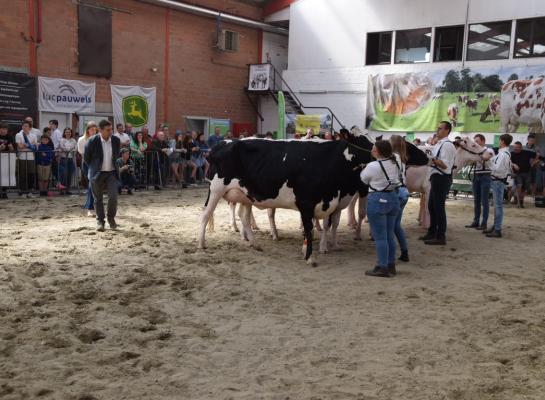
point(94, 41)
point(489, 41)
point(379, 48)
point(413, 46)
point(449, 43)
point(229, 41)
point(530, 38)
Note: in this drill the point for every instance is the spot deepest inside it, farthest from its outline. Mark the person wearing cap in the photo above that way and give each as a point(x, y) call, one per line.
point(125, 165)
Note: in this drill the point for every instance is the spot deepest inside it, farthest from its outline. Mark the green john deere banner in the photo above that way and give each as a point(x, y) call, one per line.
point(475, 100)
point(134, 105)
point(281, 116)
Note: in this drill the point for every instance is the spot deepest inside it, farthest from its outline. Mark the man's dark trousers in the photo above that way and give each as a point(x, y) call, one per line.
point(481, 192)
point(440, 186)
point(101, 183)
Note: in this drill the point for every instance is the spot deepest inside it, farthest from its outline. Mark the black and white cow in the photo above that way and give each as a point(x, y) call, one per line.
point(312, 176)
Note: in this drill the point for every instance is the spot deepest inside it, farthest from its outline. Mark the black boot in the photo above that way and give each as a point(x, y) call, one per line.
point(427, 236)
point(487, 231)
point(378, 271)
point(494, 234)
point(473, 225)
point(404, 256)
point(481, 228)
point(392, 269)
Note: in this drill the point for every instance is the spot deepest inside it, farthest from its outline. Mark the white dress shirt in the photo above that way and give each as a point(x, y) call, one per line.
point(107, 164)
point(56, 137)
point(374, 176)
point(501, 164)
point(446, 152)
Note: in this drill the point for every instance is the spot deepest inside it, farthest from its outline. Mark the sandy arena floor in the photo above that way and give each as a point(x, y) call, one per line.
point(141, 314)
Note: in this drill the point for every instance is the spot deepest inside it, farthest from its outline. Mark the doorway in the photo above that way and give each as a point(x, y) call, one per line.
point(198, 124)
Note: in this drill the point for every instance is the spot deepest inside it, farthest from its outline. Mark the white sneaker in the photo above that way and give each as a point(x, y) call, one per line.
point(91, 213)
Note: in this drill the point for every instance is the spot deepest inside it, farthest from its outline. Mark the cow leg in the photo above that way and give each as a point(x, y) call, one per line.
point(272, 223)
point(351, 212)
point(317, 224)
point(207, 215)
point(241, 211)
point(246, 220)
point(252, 221)
point(307, 214)
point(335, 219)
point(323, 235)
point(234, 226)
point(425, 221)
point(362, 212)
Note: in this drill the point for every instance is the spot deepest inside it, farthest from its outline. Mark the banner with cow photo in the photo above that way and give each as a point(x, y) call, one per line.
point(134, 105)
point(503, 99)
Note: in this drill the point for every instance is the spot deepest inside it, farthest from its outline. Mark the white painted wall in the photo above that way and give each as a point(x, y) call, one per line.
point(327, 43)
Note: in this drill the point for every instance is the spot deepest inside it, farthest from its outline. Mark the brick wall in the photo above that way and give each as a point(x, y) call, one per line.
point(201, 80)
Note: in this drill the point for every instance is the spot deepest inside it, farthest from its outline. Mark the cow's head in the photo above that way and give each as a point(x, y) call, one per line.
point(358, 149)
point(468, 152)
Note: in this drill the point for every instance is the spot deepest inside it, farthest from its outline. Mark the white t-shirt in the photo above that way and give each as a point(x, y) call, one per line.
point(68, 146)
point(374, 176)
point(26, 154)
point(501, 164)
point(124, 138)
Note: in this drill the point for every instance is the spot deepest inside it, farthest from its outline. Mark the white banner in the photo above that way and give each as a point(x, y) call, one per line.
point(259, 77)
point(134, 105)
point(7, 169)
point(65, 96)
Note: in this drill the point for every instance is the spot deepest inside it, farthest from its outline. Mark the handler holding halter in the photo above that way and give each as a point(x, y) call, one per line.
point(441, 164)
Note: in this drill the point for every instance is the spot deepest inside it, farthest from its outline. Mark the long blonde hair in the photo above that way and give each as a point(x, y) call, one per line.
point(399, 146)
point(90, 124)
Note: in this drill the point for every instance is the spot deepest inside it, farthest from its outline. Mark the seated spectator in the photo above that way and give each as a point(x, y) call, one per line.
point(44, 158)
point(187, 144)
point(138, 153)
point(67, 147)
point(269, 135)
point(7, 145)
point(161, 152)
point(199, 154)
point(126, 172)
point(123, 137)
point(174, 159)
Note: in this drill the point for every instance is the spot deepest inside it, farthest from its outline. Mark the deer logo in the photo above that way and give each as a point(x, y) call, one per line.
point(135, 110)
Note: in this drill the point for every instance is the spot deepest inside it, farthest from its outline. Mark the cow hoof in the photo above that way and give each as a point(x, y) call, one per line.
point(234, 230)
point(312, 263)
point(256, 247)
point(275, 238)
point(323, 251)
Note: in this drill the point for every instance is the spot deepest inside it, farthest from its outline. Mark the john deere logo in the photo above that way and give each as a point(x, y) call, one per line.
point(135, 110)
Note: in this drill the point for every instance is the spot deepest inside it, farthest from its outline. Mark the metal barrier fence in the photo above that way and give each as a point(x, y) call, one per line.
point(60, 172)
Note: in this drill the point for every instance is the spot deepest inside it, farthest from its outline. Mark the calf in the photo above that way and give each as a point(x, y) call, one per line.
point(312, 176)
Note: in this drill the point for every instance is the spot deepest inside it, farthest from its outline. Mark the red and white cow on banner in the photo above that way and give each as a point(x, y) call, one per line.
point(523, 102)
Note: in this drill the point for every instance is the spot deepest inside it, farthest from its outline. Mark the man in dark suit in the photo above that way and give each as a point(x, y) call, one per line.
point(101, 153)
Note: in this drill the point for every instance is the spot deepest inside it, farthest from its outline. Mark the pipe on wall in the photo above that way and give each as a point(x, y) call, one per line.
point(166, 64)
point(205, 12)
point(32, 62)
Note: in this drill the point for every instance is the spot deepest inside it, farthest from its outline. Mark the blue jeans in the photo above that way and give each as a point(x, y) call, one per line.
point(498, 188)
point(382, 212)
point(398, 230)
point(481, 191)
point(90, 201)
point(66, 171)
